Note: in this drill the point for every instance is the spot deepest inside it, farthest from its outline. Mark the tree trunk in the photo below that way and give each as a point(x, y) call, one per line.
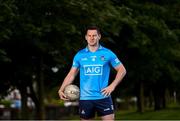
point(24, 107)
point(157, 97)
point(150, 99)
point(157, 103)
point(34, 97)
point(140, 96)
point(167, 96)
point(41, 108)
point(160, 99)
point(164, 98)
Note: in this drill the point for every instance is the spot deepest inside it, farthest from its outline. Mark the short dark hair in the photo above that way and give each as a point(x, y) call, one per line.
point(93, 28)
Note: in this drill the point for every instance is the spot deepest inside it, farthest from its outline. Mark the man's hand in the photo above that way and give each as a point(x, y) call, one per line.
point(121, 72)
point(62, 95)
point(108, 90)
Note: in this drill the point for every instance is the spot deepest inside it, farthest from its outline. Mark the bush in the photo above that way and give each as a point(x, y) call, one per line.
point(6, 103)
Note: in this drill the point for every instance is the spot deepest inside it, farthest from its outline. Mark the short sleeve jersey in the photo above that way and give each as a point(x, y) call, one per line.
point(94, 71)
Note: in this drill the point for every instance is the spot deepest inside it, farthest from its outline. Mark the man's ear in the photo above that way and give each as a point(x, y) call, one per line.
point(85, 37)
point(99, 35)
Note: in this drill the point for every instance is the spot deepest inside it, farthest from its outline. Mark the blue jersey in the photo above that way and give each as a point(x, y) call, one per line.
point(94, 71)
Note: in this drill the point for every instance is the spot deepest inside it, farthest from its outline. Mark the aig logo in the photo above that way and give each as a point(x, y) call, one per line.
point(93, 69)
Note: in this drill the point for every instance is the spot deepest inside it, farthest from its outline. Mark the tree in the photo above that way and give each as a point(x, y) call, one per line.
point(148, 44)
point(41, 35)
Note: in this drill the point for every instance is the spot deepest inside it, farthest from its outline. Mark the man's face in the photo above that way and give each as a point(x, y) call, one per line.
point(92, 37)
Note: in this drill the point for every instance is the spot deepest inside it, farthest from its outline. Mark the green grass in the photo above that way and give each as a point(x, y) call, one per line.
point(172, 113)
point(166, 114)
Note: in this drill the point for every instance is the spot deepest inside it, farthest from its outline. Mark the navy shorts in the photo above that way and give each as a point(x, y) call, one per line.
point(88, 108)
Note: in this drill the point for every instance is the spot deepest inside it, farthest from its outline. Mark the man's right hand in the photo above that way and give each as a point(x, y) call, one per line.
point(62, 95)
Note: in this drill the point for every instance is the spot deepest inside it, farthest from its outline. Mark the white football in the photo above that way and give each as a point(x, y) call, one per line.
point(72, 92)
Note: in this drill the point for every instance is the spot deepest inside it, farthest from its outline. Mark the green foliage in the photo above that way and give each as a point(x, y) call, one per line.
point(6, 103)
point(6, 19)
point(40, 34)
point(3, 56)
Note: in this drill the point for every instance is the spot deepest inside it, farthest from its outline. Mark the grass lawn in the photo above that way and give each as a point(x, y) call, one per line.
point(166, 114)
point(172, 113)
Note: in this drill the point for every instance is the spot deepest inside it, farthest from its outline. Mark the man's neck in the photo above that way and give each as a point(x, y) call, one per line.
point(93, 48)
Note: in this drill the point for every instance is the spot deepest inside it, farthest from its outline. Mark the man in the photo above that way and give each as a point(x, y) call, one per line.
point(94, 62)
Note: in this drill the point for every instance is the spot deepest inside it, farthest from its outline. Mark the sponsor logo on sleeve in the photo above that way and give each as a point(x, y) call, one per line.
point(74, 63)
point(116, 60)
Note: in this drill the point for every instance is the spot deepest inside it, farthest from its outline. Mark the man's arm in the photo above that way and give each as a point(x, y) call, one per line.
point(121, 72)
point(68, 80)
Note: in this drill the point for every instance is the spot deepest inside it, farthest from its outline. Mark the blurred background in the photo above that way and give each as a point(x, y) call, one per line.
point(38, 39)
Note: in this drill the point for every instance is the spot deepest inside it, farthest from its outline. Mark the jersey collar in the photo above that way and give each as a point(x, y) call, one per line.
point(100, 48)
